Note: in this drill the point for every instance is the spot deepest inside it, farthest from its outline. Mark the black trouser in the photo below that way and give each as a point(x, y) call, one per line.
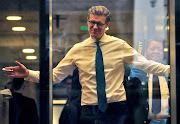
point(116, 113)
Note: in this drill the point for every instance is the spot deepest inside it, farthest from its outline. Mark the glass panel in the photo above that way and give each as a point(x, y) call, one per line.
point(12, 45)
point(138, 23)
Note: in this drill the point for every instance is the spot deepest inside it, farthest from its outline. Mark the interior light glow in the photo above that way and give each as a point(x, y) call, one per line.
point(13, 17)
point(165, 49)
point(159, 28)
point(18, 28)
point(167, 27)
point(31, 57)
point(63, 101)
point(28, 50)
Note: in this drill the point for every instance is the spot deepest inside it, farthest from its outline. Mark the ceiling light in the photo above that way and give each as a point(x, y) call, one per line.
point(28, 50)
point(13, 17)
point(31, 57)
point(18, 28)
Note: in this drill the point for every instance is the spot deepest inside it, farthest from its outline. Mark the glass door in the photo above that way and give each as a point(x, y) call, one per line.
point(137, 22)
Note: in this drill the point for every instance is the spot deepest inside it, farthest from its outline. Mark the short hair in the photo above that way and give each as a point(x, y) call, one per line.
point(156, 40)
point(100, 11)
point(17, 83)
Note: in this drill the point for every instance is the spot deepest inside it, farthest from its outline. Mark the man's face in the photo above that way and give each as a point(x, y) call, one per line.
point(155, 51)
point(97, 26)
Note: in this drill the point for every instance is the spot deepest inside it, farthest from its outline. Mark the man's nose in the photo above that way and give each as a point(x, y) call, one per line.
point(95, 26)
point(156, 50)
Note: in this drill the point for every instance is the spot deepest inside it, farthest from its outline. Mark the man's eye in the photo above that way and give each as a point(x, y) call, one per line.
point(99, 24)
point(93, 22)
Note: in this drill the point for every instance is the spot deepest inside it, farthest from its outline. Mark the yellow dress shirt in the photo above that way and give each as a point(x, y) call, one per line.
point(115, 52)
point(164, 113)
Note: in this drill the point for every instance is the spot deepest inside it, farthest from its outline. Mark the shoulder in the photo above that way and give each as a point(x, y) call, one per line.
point(118, 42)
point(80, 44)
point(28, 100)
point(109, 38)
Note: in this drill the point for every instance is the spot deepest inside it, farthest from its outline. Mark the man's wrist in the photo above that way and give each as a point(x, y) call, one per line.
point(27, 73)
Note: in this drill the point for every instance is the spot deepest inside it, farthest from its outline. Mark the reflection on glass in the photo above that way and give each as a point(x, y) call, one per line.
point(146, 25)
point(155, 92)
point(151, 40)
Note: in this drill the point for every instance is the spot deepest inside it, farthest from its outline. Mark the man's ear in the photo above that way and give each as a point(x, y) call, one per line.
point(107, 24)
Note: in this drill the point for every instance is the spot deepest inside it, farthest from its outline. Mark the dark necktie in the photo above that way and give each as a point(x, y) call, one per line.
point(100, 79)
point(156, 98)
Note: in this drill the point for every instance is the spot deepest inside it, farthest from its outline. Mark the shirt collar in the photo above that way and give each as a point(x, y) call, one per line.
point(102, 40)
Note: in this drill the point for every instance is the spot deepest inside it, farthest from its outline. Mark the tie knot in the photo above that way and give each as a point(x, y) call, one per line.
point(97, 43)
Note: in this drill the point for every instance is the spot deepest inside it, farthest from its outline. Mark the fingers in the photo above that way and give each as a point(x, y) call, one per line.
point(16, 71)
point(9, 74)
point(9, 69)
point(18, 63)
point(12, 68)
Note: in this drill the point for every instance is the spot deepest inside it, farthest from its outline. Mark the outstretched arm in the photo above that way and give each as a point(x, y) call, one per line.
point(19, 71)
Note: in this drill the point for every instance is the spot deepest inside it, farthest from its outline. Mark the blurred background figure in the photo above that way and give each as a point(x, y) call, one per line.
point(6, 92)
point(8, 86)
point(153, 103)
point(71, 111)
point(22, 110)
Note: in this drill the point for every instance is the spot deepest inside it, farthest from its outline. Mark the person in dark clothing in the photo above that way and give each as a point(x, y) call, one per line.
point(71, 111)
point(22, 110)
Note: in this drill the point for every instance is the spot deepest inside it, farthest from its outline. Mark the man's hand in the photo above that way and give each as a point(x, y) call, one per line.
point(19, 71)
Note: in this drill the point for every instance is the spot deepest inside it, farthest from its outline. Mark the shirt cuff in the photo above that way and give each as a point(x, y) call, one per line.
point(33, 76)
point(167, 73)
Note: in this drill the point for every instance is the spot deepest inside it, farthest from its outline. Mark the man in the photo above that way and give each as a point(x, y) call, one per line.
point(22, 109)
point(151, 95)
point(99, 60)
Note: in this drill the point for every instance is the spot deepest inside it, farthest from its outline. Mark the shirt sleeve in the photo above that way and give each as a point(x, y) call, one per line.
point(60, 72)
point(65, 67)
point(137, 60)
point(33, 76)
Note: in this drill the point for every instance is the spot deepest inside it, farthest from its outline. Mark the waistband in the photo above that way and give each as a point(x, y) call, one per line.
point(110, 105)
